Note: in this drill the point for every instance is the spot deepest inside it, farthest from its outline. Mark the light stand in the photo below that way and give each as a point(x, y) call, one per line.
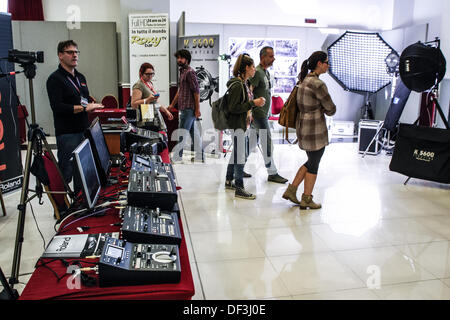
point(7, 293)
point(367, 112)
point(36, 144)
point(227, 58)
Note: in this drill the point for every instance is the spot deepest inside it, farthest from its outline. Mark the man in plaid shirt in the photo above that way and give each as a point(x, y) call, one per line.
point(188, 99)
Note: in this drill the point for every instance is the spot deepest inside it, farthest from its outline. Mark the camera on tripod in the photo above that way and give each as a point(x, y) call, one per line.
point(25, 57)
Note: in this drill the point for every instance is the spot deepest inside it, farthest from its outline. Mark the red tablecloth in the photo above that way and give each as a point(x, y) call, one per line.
point(43, 284)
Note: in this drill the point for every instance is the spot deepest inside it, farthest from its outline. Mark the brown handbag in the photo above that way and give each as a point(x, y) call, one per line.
point(288, 114)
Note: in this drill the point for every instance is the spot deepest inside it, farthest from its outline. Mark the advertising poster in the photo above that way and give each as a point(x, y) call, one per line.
point(149, 42)
point(205, 54)
point(286, 67)
point(10, 161)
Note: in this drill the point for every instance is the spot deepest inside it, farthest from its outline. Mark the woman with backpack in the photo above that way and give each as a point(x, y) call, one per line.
point(239, 102)
point(313, 102)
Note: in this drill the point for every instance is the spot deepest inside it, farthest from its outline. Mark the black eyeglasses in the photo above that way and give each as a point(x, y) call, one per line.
point(149, 74)
point(72, 52)
point(327, 62)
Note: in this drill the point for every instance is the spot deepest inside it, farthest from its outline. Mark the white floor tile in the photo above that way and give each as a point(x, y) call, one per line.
point(422, 290)
point(225, 245)
point(407, 231)
point(241, 279)
point(349, 235)
point(433, 256)
point(314, 273)
point(385, 265)
point(353, 294)
point(288, 241)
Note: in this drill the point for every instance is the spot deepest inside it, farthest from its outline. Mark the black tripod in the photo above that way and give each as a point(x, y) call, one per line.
point(7, 293)
point(36, 144)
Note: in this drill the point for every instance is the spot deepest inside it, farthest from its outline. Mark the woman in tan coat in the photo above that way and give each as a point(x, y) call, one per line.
point(313, 102)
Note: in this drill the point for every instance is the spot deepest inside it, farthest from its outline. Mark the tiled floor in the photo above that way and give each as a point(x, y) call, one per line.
point(374, 238)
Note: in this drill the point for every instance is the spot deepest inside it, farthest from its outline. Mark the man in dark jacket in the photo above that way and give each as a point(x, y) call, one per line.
point(68, 94)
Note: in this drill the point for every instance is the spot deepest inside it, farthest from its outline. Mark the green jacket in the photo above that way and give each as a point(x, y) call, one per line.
point(238, 104)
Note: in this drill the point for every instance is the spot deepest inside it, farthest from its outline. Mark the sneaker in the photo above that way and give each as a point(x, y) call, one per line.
point(229, 184)
point(277, 178)
point(247, 175)
point(241, 193)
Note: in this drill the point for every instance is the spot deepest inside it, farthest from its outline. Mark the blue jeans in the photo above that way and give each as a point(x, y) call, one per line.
point(260, 130)
point(66, 144)
point(187, 122)
point(235, 168)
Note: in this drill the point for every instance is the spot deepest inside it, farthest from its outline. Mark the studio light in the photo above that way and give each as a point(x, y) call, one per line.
point(392, 62)
point(358, 61)
point(422, 66)
point(207, 83)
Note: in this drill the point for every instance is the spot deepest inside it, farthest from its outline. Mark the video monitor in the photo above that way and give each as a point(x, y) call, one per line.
point(85, 166)
point(100, 150)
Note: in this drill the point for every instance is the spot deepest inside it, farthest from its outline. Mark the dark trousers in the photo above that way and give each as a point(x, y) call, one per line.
point(66, 144)
point(313, 162)
point(235, 168)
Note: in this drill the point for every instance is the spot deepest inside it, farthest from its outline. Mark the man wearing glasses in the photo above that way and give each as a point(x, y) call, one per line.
point(68, 94)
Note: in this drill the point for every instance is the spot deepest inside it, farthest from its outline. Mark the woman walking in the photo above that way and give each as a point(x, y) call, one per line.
point(313, 102)
point(240, 101)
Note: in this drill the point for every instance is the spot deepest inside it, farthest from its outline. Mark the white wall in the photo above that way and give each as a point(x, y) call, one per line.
point(97, 10)
point(367, 14)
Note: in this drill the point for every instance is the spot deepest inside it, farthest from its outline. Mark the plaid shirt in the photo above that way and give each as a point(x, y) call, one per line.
point(187, 86)
point(313, 101)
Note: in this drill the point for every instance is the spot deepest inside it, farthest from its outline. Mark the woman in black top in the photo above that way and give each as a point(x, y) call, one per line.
point(240, 101)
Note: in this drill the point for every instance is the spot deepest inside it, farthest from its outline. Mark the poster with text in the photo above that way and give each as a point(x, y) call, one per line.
point(285, 68)
point(10, 159)
point(205, 53)
point(149, 42)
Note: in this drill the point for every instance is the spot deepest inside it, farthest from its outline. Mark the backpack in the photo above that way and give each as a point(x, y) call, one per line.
point(288, 114)
point(219, 111)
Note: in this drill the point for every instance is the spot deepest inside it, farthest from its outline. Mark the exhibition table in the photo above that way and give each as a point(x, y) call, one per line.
point(44, 283)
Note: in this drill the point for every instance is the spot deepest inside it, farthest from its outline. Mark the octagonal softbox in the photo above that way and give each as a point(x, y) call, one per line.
point(358, 61)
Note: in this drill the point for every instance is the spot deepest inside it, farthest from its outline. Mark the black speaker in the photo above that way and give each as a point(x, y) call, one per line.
point(367, 130)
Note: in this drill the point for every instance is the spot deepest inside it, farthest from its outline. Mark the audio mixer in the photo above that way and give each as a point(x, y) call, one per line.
point(125, 263)
point(150, 226)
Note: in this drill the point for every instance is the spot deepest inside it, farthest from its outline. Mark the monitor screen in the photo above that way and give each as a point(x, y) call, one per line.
point(88, 172)
point(99, 149)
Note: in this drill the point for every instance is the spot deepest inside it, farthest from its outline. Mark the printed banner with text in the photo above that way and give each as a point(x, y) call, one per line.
point(10, 162)
point(149, 42)
point(205, 53)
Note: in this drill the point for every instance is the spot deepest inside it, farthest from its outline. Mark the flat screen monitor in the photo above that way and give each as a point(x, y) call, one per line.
point(85, 166)
point(100, 150)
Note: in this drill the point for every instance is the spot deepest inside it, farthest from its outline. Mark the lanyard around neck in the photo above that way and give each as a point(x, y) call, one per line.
point(73, 83)
point(148, 86)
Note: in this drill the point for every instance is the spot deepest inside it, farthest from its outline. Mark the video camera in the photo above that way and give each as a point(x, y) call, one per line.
point(25, 57)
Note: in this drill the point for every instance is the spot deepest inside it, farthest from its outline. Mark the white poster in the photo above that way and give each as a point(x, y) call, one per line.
point(149, 42)
point(285, 68)
point(205, 53)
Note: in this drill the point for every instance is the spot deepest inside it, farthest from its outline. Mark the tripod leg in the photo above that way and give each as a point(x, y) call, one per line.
point(375, 137)
point(7, 293)
point(2, 202)
point(21, 218)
